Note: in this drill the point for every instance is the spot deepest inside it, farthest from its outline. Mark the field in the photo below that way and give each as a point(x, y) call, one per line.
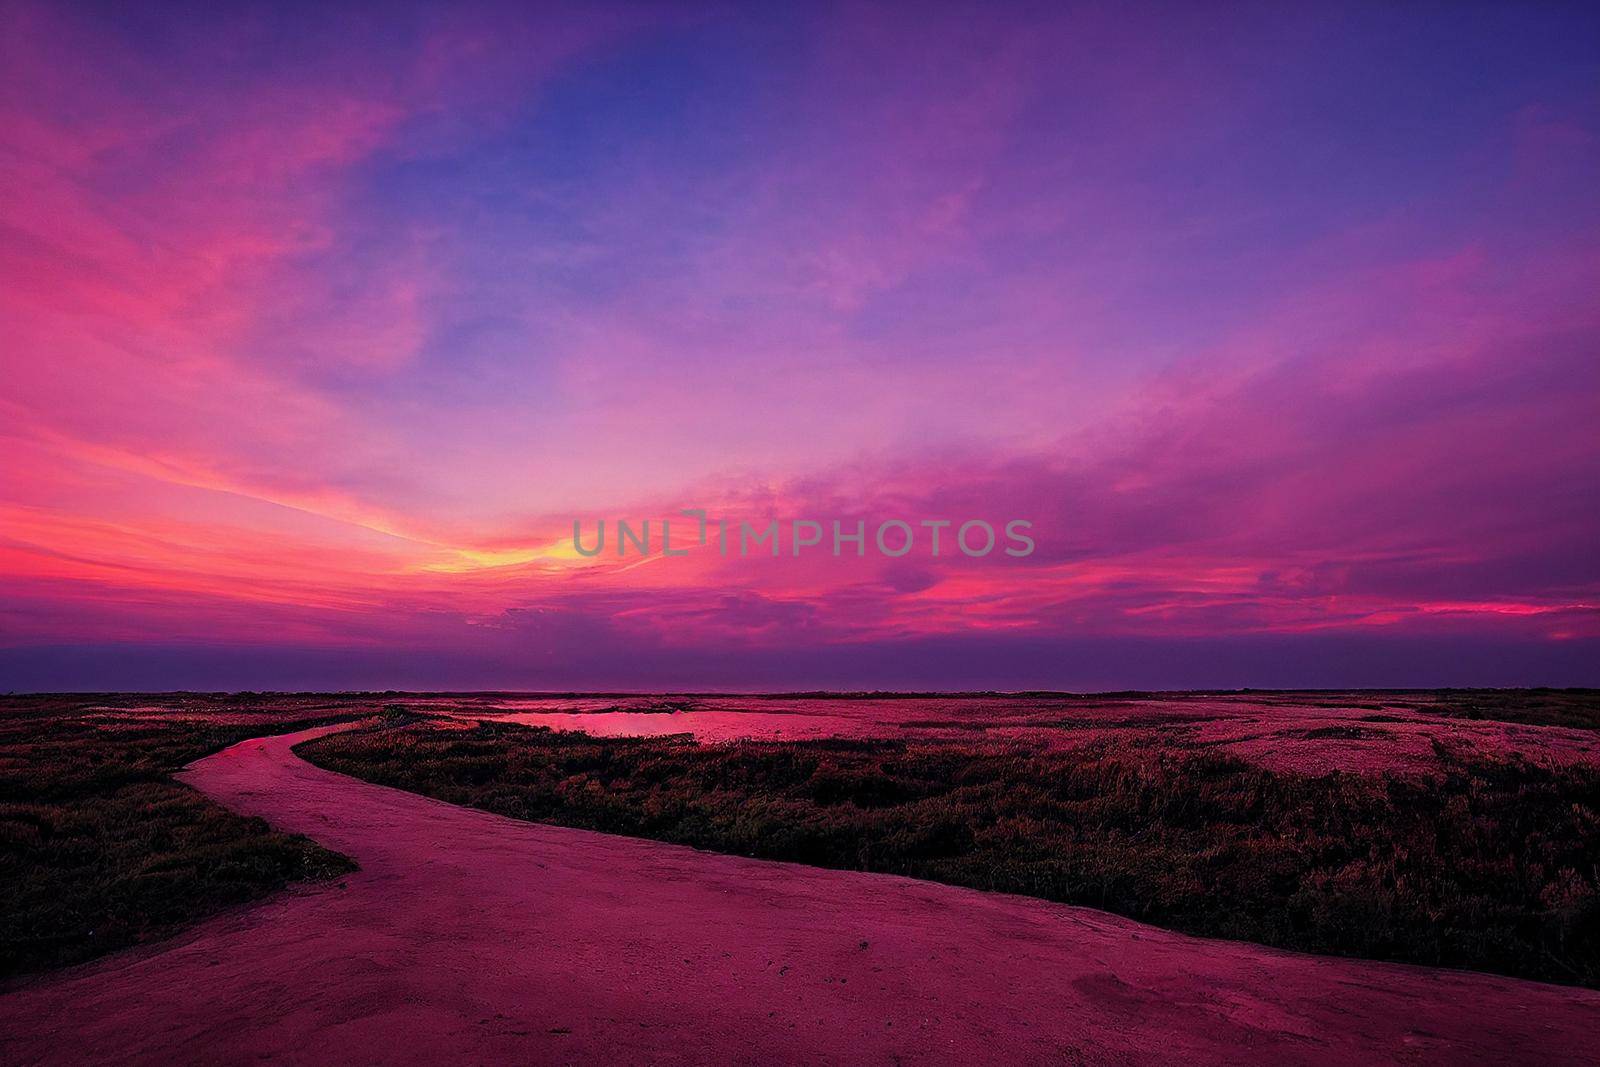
point(100, 849)
point(981, 878)
point(1480, 862)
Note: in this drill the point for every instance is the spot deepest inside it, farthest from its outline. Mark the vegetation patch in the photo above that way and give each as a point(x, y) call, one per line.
point(1575, 708)
point(1486, 864)
point(100, 849)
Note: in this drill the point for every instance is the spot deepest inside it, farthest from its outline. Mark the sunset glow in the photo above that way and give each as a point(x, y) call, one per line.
point(318, 330)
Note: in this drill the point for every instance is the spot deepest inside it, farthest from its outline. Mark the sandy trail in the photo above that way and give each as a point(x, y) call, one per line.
point(469, 938)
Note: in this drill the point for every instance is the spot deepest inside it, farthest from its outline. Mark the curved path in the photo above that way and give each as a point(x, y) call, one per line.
point(468, 938)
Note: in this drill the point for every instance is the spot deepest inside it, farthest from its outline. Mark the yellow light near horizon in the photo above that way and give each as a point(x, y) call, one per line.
point(466, 560)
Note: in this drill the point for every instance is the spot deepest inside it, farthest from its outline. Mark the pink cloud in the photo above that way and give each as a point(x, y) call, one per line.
point(240, 408)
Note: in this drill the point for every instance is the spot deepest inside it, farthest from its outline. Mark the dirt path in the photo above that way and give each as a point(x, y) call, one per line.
point(467, 938)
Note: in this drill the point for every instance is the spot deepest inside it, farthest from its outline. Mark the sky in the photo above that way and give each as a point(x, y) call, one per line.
point(321, 324)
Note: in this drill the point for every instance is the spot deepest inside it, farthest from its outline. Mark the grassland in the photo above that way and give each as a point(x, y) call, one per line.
point(1483, 862)
point(100, 849)
point(1489, 864)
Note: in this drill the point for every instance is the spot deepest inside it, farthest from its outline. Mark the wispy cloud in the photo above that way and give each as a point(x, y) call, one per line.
point(319, 333)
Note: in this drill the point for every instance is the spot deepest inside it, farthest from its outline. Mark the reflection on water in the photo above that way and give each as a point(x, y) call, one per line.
point(704, 725)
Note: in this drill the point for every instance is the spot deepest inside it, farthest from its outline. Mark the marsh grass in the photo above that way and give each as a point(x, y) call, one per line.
point(1485, 864)
point(100, 849)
